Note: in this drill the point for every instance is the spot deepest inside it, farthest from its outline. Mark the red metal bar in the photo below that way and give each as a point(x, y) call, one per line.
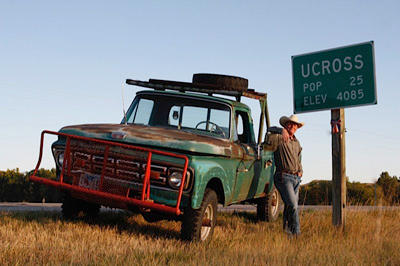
point(148, 191)
point(69, 161)
point(178, 201)
point(146, 182)
point(129, 146)
point(103, 170)
point(105, 195)
point(66, 158)
point(40, 153)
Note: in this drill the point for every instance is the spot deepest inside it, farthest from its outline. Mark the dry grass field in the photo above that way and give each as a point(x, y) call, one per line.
point(43, 238)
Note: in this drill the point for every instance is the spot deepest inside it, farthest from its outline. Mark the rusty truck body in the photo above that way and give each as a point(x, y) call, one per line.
point(179, 151)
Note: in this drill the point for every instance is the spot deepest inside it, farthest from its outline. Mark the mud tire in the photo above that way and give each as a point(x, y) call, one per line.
point(199, 224)
point(72, 208)
point(224, 82)
point(268, 207)
point(90, 210)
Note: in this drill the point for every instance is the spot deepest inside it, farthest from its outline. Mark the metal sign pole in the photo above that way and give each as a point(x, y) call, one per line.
point(338, 168)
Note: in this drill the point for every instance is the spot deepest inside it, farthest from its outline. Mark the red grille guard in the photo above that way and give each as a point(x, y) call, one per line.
point(143, 200)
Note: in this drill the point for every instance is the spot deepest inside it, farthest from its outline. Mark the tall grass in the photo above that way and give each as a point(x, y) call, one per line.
point(370, 238)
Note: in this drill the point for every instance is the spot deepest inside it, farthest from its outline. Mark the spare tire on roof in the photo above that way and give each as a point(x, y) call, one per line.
point(224, 82)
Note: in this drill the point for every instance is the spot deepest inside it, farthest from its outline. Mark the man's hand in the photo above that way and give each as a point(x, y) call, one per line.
point(285, 135)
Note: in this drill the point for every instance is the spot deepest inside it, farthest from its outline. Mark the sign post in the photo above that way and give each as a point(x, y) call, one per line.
point(338, 168)
point(331, 80)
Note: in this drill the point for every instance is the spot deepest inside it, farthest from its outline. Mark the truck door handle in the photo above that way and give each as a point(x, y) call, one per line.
point(242, 170)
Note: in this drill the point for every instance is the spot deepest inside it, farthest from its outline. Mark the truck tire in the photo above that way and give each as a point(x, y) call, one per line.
point(90, 210)
point(70, 207)
point(268, 207)
point(224, 82)
point(198, 224)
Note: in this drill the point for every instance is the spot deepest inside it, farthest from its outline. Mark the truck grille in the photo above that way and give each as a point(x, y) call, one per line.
point(124, 169)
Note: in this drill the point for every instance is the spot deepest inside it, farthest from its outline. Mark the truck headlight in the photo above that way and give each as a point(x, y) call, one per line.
point(175, 179)
point(60, 159)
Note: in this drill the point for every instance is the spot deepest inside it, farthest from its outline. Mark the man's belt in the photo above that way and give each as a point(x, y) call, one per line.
point(289, 172)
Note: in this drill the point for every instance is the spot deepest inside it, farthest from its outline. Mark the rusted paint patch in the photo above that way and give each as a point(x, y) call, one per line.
point(159, 137)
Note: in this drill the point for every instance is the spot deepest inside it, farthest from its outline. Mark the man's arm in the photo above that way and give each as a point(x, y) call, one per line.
point(285, 135)
point(281, 131)
point(301, 165)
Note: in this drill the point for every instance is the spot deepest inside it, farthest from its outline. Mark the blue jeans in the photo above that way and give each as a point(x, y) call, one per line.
point(288, 186)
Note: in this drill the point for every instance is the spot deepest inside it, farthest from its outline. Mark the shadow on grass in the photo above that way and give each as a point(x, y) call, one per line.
point(127, 222)
point(246, 216)
point(123, 221)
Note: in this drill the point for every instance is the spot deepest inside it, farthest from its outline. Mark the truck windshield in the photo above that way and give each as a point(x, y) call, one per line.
point(182, 113)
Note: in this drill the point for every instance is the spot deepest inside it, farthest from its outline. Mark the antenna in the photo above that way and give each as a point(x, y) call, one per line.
point(123, 105)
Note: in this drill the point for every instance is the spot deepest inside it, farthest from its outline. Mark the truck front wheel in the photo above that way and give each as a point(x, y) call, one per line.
point(72, 208)
point(268, 207)
point(198, 224)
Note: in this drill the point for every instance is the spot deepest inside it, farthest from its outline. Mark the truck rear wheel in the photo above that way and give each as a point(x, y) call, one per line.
point(268, 206)
point(225, 82)
point(198, 224)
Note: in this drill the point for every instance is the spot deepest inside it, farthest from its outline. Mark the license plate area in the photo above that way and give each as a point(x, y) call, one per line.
point(89, 181)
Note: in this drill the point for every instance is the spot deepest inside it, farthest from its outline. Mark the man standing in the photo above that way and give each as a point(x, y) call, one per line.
point(288, 172)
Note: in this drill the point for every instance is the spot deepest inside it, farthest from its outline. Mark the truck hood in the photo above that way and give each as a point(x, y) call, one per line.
point(155, 137)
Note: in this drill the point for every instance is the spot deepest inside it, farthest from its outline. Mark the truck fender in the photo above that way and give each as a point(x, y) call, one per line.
point(215, 178)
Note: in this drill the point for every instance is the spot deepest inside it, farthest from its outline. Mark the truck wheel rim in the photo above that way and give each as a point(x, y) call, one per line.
point(208, 216)
point(275, 203)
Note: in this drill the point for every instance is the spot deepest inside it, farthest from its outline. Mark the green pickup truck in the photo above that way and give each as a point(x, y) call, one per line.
point(179, 151)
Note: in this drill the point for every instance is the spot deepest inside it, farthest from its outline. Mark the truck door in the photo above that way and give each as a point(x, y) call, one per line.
point(246, 165)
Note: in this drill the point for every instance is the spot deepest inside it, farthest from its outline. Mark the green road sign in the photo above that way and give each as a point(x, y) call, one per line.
point(334, 78)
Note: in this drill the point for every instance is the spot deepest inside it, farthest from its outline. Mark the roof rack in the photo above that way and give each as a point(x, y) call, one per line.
point(210, 89)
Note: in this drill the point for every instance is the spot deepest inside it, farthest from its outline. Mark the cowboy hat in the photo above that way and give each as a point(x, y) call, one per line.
point(293, 118)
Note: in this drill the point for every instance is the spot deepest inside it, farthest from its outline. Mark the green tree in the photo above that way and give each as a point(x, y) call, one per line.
point(390, 187)
point(13, 185)
point(317, 192)
point(16, 186)
point(359, 193)
point(39, 192)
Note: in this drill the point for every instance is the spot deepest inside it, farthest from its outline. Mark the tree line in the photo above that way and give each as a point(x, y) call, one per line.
point(16, 187)
point(385, 191)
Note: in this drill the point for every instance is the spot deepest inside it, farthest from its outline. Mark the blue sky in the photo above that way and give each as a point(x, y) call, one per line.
point(65, 63)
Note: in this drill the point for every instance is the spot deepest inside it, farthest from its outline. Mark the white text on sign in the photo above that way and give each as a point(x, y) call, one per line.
point(315, 99)
point(326, 67)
